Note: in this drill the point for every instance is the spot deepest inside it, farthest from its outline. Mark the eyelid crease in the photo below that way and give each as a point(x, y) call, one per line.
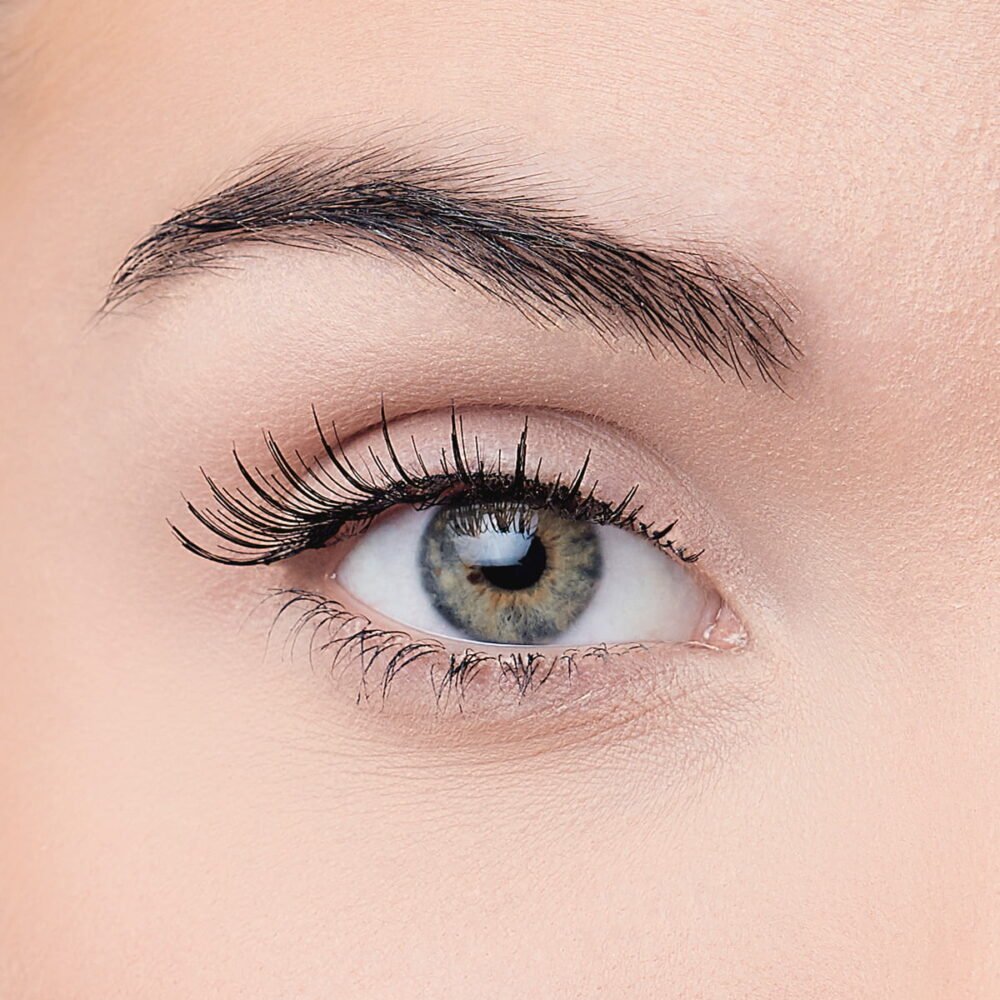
point(300, 507)
point(463, 221)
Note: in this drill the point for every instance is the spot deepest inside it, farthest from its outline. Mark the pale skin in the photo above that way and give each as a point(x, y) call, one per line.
point(813, 813)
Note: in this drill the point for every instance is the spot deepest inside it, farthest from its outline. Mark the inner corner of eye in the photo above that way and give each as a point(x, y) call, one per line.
point(478, 573)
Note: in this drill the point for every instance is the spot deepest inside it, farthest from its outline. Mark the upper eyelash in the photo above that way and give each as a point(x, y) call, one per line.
point(303, 505)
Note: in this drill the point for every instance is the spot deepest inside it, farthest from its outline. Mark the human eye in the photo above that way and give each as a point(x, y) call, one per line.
point(508, 573)
point(451, 548)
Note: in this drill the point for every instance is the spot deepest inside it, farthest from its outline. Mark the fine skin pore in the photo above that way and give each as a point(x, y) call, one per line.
point(804, 802)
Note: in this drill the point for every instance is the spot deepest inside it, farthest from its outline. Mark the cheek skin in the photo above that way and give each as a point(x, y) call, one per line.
point(812, 818)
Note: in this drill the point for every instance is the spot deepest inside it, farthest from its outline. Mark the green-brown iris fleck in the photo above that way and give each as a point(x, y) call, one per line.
point(519, 580)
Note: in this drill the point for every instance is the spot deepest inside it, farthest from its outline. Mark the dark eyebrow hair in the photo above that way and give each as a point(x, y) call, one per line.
point(466, 221)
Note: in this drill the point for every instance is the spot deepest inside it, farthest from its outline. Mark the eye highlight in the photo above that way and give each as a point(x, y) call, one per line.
point(471, 560)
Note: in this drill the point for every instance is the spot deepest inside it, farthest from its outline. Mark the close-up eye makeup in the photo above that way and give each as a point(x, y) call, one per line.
point(499, 500)
point(458, 558)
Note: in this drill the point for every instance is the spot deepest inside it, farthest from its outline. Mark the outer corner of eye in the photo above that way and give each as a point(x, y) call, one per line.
point(461, 573)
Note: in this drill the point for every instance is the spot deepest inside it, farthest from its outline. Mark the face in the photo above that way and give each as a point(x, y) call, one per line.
point(606, 603)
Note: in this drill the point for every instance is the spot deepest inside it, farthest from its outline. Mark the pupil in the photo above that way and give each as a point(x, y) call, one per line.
point(526, 572)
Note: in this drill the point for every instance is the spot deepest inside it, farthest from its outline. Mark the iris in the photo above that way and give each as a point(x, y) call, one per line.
point(519, 577)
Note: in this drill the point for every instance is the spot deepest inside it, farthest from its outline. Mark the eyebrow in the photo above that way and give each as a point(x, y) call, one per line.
point(467, 221)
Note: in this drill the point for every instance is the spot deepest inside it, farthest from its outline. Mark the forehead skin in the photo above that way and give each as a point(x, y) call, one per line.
point(847, 149)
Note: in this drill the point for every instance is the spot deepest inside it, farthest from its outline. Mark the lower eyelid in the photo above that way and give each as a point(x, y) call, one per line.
point(386, 661)
point(382, 652)
point(691, 700)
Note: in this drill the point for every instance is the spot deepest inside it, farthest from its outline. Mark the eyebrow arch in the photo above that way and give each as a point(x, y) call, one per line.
point(467, 221)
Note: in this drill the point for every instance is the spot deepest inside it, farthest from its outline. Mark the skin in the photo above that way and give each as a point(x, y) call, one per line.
point(815, 815)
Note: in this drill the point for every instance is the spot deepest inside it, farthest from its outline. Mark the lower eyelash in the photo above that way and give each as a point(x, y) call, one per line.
point(335, 633)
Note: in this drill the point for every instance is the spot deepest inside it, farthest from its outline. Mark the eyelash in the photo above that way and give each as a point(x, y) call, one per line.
point(308, 505)
point(394, 651)
point(280, 514)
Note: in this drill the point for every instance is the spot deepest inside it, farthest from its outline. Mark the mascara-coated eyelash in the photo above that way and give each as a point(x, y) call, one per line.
point(307, 504)
point(336, 634)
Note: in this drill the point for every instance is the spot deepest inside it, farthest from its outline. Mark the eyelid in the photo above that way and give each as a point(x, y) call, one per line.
point(459, 665)
point(561, 438)
point(408, 676)
point(305, 504)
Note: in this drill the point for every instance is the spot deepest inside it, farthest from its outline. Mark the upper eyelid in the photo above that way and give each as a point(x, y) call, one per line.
point(303, 507)
point(499, 237)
